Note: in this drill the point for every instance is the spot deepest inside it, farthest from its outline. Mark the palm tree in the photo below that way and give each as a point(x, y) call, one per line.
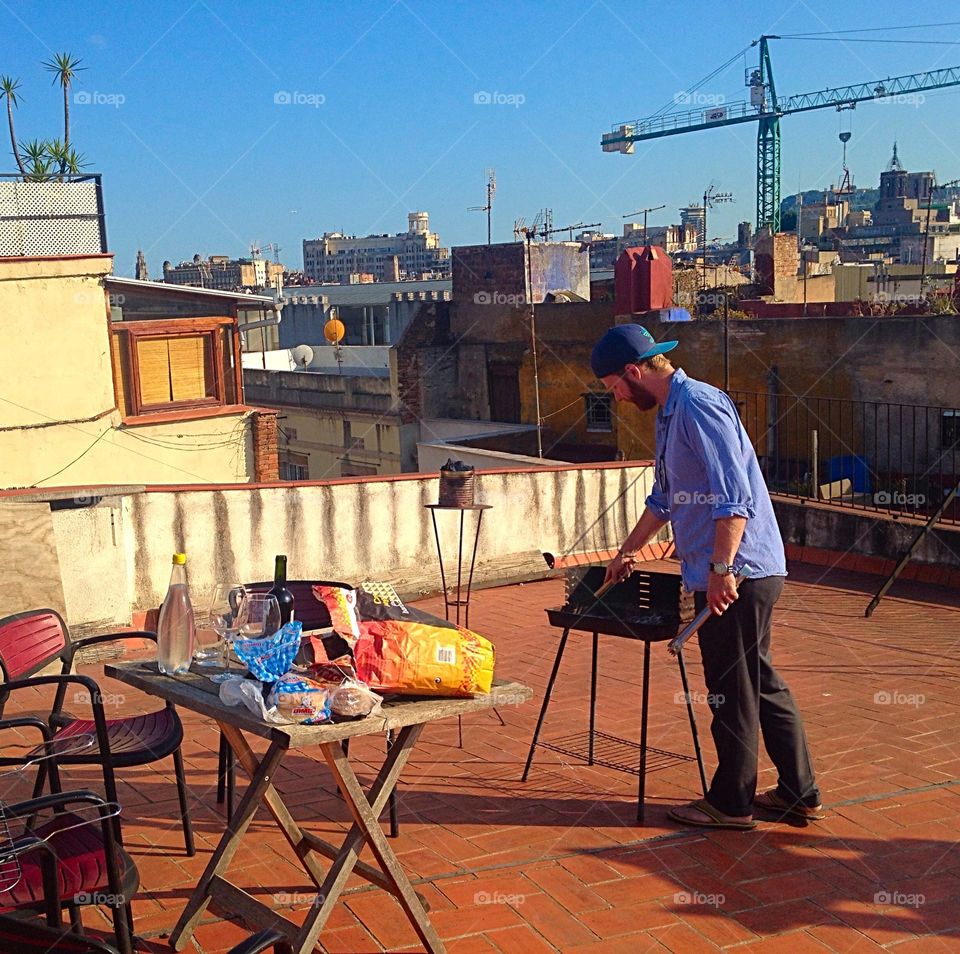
point(64, 68)
point(38, 161)
point(8, 91)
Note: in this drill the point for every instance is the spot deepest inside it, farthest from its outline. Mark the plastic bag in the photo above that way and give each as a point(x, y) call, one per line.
point(353, 699)
point(240, 691)
point(301, 699)
point(271, 657)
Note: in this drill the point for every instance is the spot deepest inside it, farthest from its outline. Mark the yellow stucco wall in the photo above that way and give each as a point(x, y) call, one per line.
point(320, 438)
point(58, 422)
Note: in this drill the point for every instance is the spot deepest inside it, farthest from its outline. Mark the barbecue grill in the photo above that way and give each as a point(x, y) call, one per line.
point(649, 606)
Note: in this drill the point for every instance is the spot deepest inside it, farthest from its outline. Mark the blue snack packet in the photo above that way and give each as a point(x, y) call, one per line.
point(271, 657)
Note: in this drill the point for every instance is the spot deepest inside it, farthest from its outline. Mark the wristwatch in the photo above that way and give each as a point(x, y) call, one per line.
point(721, 569)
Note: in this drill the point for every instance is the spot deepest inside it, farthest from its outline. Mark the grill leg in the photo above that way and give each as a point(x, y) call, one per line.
point(593, 698)
point(645, 699)
point(546, 703)
point(693, 721)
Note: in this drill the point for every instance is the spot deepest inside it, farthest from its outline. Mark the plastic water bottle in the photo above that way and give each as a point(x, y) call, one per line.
point(176, 632)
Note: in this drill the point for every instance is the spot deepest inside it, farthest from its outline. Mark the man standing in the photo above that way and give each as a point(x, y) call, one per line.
point(708, 485)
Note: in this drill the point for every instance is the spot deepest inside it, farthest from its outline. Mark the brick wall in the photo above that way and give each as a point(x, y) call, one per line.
point(266, 466)
point(423, 341)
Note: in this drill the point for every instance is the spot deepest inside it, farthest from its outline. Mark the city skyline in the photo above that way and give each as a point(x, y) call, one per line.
point(215, 128)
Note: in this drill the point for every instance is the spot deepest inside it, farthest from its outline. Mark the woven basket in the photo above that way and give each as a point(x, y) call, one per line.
point(456, 488)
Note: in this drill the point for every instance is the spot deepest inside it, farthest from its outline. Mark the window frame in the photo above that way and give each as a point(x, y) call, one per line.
point(211, 329)
point(590, 400)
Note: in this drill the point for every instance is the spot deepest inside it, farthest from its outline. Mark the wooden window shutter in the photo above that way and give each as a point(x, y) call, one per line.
point(154, 362)
point(190, 369)
point(121, 373)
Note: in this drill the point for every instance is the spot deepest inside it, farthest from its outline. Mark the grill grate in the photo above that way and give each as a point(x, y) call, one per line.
point(612, 752)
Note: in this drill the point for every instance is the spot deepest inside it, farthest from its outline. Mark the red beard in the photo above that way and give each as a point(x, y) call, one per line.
point(640, 397)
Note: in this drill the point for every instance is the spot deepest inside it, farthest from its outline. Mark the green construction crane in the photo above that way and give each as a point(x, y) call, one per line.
point(766, 109)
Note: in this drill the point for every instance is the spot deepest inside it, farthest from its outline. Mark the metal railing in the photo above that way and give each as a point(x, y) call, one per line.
point(62, 215)
point(886, 458)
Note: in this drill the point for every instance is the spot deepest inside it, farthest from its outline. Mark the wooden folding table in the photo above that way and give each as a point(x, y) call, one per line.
point(406, 718)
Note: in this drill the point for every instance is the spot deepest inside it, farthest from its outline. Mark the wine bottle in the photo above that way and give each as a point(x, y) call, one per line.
point(280, 591)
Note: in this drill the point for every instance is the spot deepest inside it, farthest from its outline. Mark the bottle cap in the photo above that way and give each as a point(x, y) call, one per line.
point(179, 559)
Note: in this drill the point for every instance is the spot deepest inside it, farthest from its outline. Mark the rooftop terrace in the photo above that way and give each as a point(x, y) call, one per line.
point(559, 863)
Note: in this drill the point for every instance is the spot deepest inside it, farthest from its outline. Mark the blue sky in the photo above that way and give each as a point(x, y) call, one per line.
point(188, 120)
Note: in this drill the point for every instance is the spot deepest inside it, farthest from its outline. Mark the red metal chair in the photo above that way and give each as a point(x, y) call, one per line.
point(31, 641)
point(69, 860)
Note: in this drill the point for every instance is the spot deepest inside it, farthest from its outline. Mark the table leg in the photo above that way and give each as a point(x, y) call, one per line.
point(546, 703)
point(693, 721)
point(473, 560)
point(443, 577)
point(593, 697)
point(645, 699)
point(260, 782)
point(460, 569)
point(366, 828)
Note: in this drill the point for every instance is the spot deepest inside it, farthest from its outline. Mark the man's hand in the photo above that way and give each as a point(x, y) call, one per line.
point(620, 567)
point(721, 592)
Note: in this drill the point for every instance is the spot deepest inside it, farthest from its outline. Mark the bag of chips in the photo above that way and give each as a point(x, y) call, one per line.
point(413, 658)
point(341, 604)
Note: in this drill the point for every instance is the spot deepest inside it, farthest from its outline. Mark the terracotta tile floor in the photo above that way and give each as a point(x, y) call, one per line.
point(559, 863)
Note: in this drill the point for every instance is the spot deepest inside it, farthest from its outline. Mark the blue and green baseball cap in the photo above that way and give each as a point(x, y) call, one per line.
point(623, 345)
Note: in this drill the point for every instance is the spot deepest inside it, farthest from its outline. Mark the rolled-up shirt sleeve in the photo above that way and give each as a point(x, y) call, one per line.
point(657, 502)
point(715, 435)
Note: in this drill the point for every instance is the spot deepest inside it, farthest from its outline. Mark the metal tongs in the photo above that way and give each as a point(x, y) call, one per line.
point(676, 644)
point(12, 848)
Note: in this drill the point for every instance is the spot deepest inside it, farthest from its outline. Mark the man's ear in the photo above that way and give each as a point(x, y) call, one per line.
point(632, 371)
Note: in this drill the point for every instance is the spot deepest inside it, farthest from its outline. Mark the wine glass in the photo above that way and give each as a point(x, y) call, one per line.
point(225, 604)
point(259, 616)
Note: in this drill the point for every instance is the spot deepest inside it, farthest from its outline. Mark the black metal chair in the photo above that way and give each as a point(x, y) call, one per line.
point(72, 859)
point(32, 641)
point(30, 937)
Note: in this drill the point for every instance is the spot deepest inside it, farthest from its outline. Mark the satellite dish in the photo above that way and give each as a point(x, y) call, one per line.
point(334, 331)
point(302, 355)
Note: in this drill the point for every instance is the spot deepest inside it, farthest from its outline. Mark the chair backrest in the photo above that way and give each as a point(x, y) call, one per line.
point(30, 641)
point(306, 607)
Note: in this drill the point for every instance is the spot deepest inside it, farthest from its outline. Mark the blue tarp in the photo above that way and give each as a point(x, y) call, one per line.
point(853, 468)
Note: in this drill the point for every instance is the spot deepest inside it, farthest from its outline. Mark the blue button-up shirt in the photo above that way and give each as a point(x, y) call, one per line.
point(707, 469)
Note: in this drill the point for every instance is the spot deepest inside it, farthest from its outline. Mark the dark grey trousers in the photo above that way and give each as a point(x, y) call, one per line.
point(747, 697)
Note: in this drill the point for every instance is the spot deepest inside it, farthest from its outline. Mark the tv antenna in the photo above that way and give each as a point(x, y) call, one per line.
point(653, 208)
point(488, 208)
